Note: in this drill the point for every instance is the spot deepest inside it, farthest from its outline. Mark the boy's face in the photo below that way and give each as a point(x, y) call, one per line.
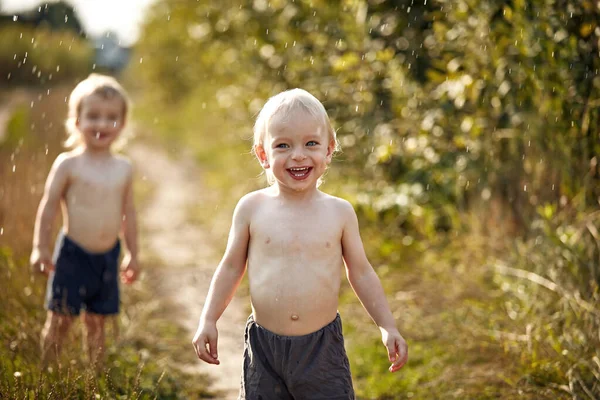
point(100, 120)
point(297, 149)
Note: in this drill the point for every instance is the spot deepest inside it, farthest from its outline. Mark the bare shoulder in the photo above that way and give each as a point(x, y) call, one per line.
point(66, 161)
point(250, 202)
point(123, 162)
point(340, 206)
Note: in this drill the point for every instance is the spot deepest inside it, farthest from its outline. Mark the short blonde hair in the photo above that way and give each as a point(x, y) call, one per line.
point(287, 102)
point(103, 85)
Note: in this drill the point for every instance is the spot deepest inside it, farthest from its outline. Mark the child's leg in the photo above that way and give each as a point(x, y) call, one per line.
point(54, 331)
point(94, 326)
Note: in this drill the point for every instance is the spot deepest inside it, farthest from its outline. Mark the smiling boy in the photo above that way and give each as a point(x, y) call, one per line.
point(93, 188)
point(295, 240)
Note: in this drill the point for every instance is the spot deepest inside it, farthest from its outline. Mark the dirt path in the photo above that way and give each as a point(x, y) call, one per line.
point(186, 258)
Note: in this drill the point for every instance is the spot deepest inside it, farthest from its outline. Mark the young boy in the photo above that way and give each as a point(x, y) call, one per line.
point(294, 240)
point(94, 189)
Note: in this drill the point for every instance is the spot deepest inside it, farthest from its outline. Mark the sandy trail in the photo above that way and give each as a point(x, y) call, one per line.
point(186, 259)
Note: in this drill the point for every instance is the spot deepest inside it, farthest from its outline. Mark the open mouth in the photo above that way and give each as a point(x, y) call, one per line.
point(100, 135)
point(299, 172)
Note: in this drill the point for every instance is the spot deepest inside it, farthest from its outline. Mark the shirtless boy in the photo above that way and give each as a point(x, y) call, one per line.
point(93, 187)
point(295, 240)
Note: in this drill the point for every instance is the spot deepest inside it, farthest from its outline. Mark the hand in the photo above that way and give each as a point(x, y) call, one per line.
point(396, 347)
point(41, 262)
point(205, 342)
point(129, 270)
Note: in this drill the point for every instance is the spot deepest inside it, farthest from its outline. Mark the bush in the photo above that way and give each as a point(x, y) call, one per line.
point(34, 56)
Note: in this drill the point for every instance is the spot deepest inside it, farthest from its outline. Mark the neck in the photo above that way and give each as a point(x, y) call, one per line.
point(97, 153)
point(294, 195)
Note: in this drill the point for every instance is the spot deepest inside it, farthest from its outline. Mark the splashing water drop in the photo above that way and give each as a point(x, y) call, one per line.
point(97, 135)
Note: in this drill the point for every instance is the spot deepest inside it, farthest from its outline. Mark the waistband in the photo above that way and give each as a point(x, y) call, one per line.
point(335, 325)
point(66, 241)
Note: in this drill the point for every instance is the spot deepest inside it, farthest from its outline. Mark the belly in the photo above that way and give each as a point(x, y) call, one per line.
point(295, 299)
point(96, 230)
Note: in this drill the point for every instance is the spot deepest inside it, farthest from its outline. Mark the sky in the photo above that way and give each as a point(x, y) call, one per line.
point(98, 16)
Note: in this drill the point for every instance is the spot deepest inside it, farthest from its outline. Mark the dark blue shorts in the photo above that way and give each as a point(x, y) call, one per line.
point(83, 280)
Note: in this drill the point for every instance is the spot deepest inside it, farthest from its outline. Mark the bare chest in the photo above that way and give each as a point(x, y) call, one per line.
point(93, 187)
point(296, 234)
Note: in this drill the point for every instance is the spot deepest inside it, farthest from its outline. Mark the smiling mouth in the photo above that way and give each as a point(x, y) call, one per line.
point(300, 172)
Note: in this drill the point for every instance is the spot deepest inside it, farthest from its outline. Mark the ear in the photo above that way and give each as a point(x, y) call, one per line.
point(330, 150)
point(261, 154)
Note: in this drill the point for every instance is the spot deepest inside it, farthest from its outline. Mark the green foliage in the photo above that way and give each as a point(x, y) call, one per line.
point(458, 98)
point(16, 128)
point(41, 56)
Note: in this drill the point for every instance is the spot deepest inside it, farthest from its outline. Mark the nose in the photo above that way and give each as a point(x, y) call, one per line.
point(107, 123)
point(103, 123)
point(298, 154)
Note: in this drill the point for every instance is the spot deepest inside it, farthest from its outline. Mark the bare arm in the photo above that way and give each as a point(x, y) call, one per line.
point(54, 189)
point(130, 267)
point(225, 281)
point(368, 289)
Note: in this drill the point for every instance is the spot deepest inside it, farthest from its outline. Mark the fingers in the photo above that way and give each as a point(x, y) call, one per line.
point(212, 348)
point(206, 350)
point(128, 276)
point(45, 267)
point(398, 355)
point(42, 266)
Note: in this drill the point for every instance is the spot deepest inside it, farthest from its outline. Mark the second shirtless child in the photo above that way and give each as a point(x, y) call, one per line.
point(93, 188)
point(295, 240)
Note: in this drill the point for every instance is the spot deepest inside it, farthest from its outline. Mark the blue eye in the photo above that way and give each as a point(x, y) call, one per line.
point(282, 146)
point(312, 143)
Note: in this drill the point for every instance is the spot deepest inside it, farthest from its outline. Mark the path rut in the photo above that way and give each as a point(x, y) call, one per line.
point(186, 258)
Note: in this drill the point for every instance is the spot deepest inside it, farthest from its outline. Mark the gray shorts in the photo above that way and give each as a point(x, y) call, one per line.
point(313, 366)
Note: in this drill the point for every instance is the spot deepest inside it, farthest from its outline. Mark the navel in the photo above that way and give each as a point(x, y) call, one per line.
point(294, 317)
point(268, 240)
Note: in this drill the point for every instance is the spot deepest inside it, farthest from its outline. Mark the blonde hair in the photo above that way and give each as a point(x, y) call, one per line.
point(287, 102)
point(103, 85)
